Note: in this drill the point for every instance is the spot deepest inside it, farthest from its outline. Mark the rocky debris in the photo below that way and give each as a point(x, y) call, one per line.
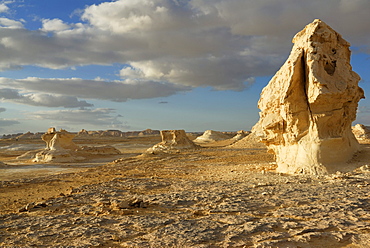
point(172, 140)
point(308, 106)
point(212, 136)
point(268, 210)
point(361, 132)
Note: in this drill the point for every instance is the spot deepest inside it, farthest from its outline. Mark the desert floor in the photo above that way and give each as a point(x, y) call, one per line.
point(216, 196)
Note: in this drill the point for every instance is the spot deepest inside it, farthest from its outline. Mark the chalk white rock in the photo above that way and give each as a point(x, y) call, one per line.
point(308, 106)
point(172, 140)
point(211, 136)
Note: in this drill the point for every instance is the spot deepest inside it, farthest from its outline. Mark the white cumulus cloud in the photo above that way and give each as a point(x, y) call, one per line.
point(3, 8)
point(175, 43)
point(54, 25)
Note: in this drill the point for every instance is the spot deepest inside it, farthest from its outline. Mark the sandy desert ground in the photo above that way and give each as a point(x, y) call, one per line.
point(216, 196)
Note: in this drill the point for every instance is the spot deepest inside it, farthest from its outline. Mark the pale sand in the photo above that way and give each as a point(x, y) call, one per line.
point(216, 196)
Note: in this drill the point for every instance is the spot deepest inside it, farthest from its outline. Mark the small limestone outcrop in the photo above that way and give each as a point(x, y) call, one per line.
point(361, 132)
point(250, 141)
point(99, 150)
point(60, 149)
point(308, 106)
point(240, 135)
point(172, 140)
point(59, 140)
point(212, 136)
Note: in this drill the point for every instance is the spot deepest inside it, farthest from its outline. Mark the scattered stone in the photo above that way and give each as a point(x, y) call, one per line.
point(308, 106)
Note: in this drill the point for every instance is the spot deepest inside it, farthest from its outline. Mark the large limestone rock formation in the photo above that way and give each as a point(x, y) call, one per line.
point(172, 140)
point(59, 147)
point(59, 140)
point(308, 106)
point(212, 136)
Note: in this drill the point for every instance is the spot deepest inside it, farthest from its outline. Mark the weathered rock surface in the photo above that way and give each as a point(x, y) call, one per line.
point(240, 135)
point(116, 133)
point(197, 201)
point(172, 140)
point(308, 106)
point(60, 148)
point(250, 141)
point(211, 136)
point(361, 132)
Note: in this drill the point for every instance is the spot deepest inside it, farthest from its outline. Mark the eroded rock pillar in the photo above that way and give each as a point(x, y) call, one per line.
point(309, 105)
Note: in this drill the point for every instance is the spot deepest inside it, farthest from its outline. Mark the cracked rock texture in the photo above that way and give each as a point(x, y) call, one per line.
point(308, 106)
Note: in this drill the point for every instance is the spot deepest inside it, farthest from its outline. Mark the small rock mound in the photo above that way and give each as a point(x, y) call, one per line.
point(212, 136)
point(250, 141)
point(61, 149)
point(240, 135)
point(361, 132)
point(172, 140)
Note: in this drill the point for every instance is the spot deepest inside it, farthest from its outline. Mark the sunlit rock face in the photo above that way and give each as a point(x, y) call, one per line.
point(308, 106)
point(59, 147)
point(212, 136)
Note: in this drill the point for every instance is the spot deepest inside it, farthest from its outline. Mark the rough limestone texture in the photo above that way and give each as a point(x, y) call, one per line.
point(61, 149)
point(212, 136)
point(308, 106)
point(172, 140)
point(361, 132)
point(59, 140)
point(240, 135)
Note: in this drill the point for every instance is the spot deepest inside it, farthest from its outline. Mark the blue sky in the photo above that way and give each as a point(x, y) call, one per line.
point(160, 64)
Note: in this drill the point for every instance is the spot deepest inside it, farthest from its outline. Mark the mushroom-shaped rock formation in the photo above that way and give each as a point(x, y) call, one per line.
point(59, 140)
point(172, 140)
point(212, 136)
point(308, 106)
point(59, 147)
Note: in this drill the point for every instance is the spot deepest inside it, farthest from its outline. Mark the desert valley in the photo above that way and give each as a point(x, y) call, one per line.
point(299, 178)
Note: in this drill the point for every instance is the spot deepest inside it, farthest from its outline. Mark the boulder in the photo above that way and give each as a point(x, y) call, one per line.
point(308, 106)
point(212, 136)
point(172, 140)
